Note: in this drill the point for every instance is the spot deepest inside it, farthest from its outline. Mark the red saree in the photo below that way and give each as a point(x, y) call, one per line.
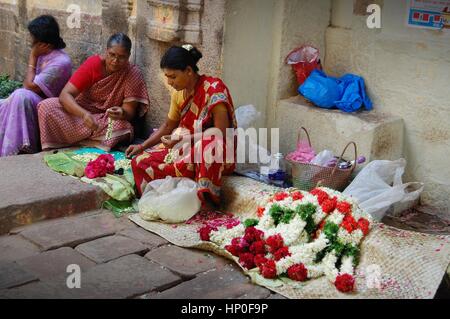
point(196, 113)
point(60, 129)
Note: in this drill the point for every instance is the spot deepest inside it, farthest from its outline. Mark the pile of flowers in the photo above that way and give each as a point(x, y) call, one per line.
point(102, 165)
point(298, 236)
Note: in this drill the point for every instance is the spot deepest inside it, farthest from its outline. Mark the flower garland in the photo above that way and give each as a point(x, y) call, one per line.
point(298, 236)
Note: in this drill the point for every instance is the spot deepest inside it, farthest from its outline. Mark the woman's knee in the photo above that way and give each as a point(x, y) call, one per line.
point(45, 106)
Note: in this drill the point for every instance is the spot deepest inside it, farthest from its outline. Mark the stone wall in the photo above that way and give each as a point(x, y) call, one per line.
point(407, 72)
point(198, 21)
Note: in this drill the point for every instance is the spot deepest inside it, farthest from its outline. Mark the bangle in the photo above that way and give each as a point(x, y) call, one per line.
point(32, 66)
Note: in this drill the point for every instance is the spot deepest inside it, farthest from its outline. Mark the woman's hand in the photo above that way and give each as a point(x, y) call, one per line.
point(170, 143)
point(90, 122)
point(133, 150)
point(40, 48)
point(116, 113)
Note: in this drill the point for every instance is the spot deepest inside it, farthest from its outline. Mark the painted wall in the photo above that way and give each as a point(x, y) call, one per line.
point(247, 54)
point(407, 72)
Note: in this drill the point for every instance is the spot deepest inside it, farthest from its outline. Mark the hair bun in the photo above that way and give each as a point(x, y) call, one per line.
point(196, 54)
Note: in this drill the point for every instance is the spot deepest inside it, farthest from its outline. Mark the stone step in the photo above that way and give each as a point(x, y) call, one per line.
point(377, 135)
point(31, 192)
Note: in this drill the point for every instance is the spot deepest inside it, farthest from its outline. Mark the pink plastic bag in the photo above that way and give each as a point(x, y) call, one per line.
point(303, 154)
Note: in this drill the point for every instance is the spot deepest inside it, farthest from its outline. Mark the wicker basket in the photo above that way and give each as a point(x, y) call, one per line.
point(306, 176)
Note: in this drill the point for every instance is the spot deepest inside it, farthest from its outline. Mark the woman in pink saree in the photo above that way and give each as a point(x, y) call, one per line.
point(49, 69)
point(98, 104)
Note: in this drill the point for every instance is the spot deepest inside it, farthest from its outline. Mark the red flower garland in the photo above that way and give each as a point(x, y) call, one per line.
point(280, 196)
point(252, 234)
point(296, 196)
point(298, 272)
point(275, 242)
point(258, 247)
point(281, 253)
point(345, 283)
point(268, 269)
point(363, 224)
point(247, 260)
point(320, 194)
point(329, 205)
point(344, 207)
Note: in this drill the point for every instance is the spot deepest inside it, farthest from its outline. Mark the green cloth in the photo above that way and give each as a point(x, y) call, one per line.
point(119, 187)
point(121, 207)
point(63, 163)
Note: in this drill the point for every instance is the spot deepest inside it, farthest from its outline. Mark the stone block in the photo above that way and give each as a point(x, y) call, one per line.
point(71, 231)
point(54, 263)
point(377, 135)
point(229, 283)
point(112, 247)
point(31, 192)
point(145, 237)
point(14, 248)
point(185, 262)
point(12, 275)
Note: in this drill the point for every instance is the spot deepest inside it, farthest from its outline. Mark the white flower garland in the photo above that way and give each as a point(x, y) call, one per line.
point(301, 248)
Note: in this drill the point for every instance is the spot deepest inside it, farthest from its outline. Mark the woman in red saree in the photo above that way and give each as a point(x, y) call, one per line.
point(199, 105)
point(97, 104)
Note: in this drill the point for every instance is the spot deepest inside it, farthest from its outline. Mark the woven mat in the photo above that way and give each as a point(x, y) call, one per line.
point(395, 264)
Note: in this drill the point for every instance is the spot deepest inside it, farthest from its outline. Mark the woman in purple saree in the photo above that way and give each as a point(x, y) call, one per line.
point(49, 69)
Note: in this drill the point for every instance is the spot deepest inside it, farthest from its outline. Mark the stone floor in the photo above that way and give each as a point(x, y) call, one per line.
point(117, 260)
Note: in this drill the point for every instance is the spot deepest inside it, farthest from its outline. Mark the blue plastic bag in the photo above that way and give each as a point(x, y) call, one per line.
point(347, 93)
point(321, 90)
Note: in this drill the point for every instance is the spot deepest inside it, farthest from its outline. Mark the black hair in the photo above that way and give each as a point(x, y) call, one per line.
point(45, 29)
point(121, 39)
point(179, 58)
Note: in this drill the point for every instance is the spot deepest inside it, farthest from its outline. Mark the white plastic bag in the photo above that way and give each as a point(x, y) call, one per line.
point(173, 200)
point(247, 116)
point(379, 187)
point(323, 158)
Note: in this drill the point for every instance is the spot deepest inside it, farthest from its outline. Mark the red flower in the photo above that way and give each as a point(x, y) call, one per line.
point(241, 244)
point(320, 194)
point(260, 212)
point(275, 242)
point(234, 250)
point(281, 253)
point(363, 224)
point(280, 196)
point(344, 207)
point(349, 223)
point(258, 247)
point(296, 195)
point(345, 283)
point(252, 234)
point(204, 232)
point(329, 205)
point(100, 166)
point(268, 269)
point(298, 272)
point(259, 260)
point(246, 260)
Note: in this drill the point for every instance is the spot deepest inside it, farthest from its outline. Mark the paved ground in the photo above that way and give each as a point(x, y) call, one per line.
point(117, 260)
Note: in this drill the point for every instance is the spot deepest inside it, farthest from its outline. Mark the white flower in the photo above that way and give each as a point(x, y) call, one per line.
point(329, 266)
point(347, 265)
point(223, 236)
point(336, 218)
point(346, 238)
